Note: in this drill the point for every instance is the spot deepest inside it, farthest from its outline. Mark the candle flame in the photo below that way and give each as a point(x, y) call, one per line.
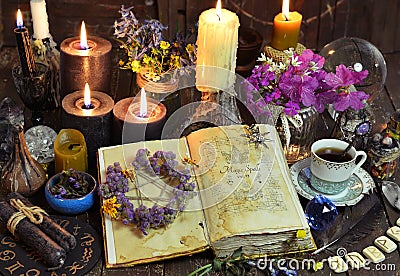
point(83, 39)
point(143, 103)
point(285, 9)
point(86, 97)
point(20, 22)
point(218, 10)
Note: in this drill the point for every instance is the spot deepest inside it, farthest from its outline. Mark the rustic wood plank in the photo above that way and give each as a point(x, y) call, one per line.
point(382, 31)
point(396, 46)
point(65, 18)
point(326, 23)
point(342, 9)
point(309, 30)
point(163, 14)
point(177, 17)
point(194, 9)
point(258, 16)
point(185, 265)
point(360, 26)
point(393, 79)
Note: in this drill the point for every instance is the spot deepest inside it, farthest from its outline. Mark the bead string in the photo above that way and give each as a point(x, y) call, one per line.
point(34, 214)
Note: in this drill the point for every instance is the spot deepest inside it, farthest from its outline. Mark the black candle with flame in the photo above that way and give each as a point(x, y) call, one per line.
point(89, 112)
point(25, 53)
point(85, 59)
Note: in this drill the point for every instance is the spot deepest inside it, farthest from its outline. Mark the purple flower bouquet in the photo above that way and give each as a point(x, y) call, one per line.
point(302, 82)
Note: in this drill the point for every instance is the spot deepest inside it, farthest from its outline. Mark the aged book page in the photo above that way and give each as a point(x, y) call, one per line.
point(245, 199)
point(126, 245)
point(245, 190)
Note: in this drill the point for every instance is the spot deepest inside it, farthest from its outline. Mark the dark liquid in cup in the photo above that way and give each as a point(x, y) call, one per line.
point(333, 155)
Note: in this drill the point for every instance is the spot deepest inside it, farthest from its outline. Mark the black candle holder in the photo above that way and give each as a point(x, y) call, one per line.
point(35, 92)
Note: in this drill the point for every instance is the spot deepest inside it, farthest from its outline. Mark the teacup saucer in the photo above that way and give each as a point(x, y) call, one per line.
point(359, 184)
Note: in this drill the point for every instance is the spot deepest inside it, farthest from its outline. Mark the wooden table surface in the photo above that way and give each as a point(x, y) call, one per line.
point(373, 213)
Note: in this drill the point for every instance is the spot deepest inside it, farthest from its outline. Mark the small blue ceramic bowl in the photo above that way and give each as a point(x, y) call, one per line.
point(70, 206)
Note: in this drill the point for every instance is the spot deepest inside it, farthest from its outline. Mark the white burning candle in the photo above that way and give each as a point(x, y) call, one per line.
point(86, 97)
point(143, 103)
point(217, 43)
point(40, 20)
point(83, 38)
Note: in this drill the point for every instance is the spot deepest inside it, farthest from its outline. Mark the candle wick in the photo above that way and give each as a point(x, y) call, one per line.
point(286, 18)
point(72, 146)
point(88, 106)
point(219, 17)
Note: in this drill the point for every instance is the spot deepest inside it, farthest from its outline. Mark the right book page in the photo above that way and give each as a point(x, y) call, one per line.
point(246, 191)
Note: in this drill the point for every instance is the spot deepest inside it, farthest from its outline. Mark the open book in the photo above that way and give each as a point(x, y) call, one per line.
point(245, 198)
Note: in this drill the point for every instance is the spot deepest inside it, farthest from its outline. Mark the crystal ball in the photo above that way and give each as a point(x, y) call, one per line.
point(40, 142)
point(320, 213)
point(360, 55)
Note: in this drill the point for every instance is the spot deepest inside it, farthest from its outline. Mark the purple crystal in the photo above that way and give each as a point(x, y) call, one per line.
point(363, 128)
point(320, 212)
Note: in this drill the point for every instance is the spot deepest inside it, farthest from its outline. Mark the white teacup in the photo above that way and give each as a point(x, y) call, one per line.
point(330, 171)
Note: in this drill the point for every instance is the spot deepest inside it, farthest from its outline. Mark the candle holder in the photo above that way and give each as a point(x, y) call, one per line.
point(79, 66)
point(35, 92)
point(279, 55)
point(94, 123)
point(45, 52)
point(129, 127)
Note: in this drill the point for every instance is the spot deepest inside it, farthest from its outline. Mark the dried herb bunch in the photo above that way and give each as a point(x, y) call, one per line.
point(72, 184)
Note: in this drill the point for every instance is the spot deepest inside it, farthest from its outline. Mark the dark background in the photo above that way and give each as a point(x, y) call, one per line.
point(323, 20)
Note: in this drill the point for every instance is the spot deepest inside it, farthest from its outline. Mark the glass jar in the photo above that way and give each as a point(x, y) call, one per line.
point(383, 155)
point(297, 133)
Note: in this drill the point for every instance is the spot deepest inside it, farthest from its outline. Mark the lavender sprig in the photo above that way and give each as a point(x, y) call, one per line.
point(162, 164)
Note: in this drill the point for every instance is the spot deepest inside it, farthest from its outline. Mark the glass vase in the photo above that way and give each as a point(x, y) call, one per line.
point(297, 133)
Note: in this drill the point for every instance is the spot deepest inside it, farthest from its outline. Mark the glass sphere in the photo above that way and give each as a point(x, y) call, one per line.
point(360, 55)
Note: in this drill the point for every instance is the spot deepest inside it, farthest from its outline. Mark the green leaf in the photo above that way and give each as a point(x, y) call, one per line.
point(237, 253)
point(217, 264)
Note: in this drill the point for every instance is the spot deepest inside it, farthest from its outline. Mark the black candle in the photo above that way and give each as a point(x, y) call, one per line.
point(93, 119)
point(90, 63)
point(25, 53)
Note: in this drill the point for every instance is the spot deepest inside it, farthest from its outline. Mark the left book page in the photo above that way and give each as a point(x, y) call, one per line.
point(125, 245)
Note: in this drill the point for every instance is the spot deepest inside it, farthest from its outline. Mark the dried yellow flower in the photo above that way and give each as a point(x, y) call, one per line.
point(164, 45)
point(110, 207)
point(301, 234)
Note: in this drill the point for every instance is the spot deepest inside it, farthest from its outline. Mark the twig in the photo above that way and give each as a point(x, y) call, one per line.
point(329, 10)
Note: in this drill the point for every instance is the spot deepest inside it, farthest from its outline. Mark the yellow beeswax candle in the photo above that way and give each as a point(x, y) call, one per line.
point(70, 151)
point(217, 43)
point(285, 33)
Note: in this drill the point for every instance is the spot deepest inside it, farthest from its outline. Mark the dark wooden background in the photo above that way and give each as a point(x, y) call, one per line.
point(323, 20)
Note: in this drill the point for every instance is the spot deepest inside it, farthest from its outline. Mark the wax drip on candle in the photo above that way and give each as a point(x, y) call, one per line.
point(87, 103)
point(20, 23)
point(285, 9)
point(83, 39)
point(143, 104)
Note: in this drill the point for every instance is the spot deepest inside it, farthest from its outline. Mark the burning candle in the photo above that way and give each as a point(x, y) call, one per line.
point(138, 119)
point(70, 151)
point(89, 112)
point(285, 33)
point(217, 43)
point(40, 20)
point(25, 53)
point(85, 59)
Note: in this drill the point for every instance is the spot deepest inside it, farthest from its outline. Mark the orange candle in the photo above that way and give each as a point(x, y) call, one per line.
point(285, 33)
